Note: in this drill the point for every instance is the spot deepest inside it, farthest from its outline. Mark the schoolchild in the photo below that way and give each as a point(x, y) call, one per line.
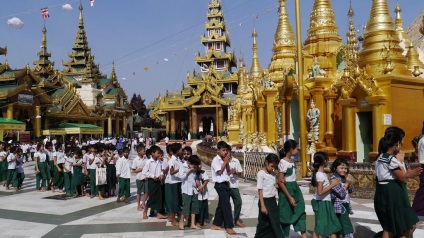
point(175, 165)
point(20, 174)
point(168, 194)
point(111, 160)
point(94, 190)
point(394, 212)
point(40, 168)
point(11, 167)
point(67, 171)
point(137, 167)
point(77, 176)
point(202, 181)
point(235, 171)
point(4, 165)
point(220, 175)
point(189, 192)
point(340, 195)
point(50, 164)
point(268, 218)
point(100, 161)
point(154, 174)
point(123, 174)
point(291, 203)
point(58, 159)
point(326, 222)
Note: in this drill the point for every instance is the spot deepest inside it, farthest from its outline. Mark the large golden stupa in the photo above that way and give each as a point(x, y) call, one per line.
point(351, 93)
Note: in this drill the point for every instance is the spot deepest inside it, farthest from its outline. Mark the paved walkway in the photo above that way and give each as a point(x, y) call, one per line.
point(40, 216)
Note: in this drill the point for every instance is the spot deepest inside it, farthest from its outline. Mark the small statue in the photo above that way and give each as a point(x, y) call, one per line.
point(241, 133)
point(201, 127)
point(316, 69)
point(278, 121)
point(313, 116)
point(211, 126)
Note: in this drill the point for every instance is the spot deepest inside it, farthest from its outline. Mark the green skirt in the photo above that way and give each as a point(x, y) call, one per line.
point(3, 169)
point(78, 177)
point(269, 225)
point(292, 215)
point(326, 222)
point(59, 176)
point(344, 220)
point(155, 195)
point(394, 212)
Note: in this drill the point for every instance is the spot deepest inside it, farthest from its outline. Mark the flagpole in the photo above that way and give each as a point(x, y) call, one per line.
point(302, 140)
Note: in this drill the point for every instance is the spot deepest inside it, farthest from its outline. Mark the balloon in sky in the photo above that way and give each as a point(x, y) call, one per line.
point(15, 22)
point(67, 7)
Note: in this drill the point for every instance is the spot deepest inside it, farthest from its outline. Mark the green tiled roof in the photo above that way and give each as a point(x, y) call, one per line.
point(9, 73)
point(112, 91)
point(59, 92)
point(104, 81)
point(77, 125)
point(109, 105)
point(9, 121)
point(8, 88)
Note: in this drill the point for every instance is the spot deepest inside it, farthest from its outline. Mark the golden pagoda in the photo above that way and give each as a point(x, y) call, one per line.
point(201, 106)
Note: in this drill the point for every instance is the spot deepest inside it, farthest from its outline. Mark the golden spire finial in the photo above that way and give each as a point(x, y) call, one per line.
point(44, 39)
point(322, 20)
point(81, 19)
point(256, 70)
point(399, 21)
point(352, 47)
point(413, 57)
point(380, 18)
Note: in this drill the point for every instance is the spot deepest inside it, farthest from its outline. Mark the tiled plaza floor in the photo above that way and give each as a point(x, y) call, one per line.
point(28, 214)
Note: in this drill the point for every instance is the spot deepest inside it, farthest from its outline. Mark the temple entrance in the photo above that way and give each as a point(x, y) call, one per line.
point(364, 140)
point(294, 132)
point(208, 126)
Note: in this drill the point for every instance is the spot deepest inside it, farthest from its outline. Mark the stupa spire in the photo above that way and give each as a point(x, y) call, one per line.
point(284, 50)
point(413, 57)
point(43, 66)
point(381, 52)
point(113, 73)
point(352, 41)
point(80, 19)
point(256, 71)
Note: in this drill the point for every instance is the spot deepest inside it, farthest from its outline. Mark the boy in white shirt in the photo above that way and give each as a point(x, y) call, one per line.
point(67, 172)
point(202, 181)
point(11, 168)
point(174, 180)
point(235, 171)
point(123, 174)
point(137, 168)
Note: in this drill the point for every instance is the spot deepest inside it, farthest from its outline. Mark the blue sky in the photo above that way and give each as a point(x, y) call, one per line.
point(162, 35)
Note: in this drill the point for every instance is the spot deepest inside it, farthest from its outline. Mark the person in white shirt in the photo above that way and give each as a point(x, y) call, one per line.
point(418, 204)
point(11, 167)
point(58, 158)
point(3, 163)
point(174, 180)
point(153, 172)
point(33, 149)
point(268, 219)
point(50, 165)
point(123, 174)
point(189, 192)
point(40, 168)
point(94, 190)
point(100, 161)
point(166, 141)
point(111, 161)
point(202, 181)
point(141, 182)
point(20, 175)
point(220, 169)
point(67, 172)
point(235, 171)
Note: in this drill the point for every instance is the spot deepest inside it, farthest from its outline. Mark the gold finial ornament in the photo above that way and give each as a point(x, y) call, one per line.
point(352, 46)
point(416, 72)
point(413, 57)
point(256, 72)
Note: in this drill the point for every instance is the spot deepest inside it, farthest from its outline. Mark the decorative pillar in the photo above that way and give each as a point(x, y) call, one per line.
point(270, 95)
point(10, 111)
point(329, 134)
point(221, 121)
point(124, 125)
point(194, 123)
point(261, 121)
point(172, 135)
point(284, 116)
point(37, 121)
point(46, 123)
point(348, 125)
point(109, 126)
point(117, 126)
point(377, 103)
point(317, 96)
point(244, 119)
point(278, 119)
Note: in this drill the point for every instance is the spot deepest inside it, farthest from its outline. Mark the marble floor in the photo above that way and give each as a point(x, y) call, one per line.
point(28, 213)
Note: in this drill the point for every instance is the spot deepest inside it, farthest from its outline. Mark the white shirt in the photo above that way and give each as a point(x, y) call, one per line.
point(283, 166)
point(59, 157)
point(384, 170)
point(12, 164)
point(188, 185)
point(235, 164)
point(177, 164)
point(266, 182)
point(153, 168)
point(215, 167)
point(94, 164)
point(166, 140)
point(33, 149)
point(123, 168)
point(421, 150)
point(2, 155)
point(49, 153)
point(322, 177)
point(138, 163)
point(165, 166)
point(204, 194)
point(41, 156)
point(68, 161)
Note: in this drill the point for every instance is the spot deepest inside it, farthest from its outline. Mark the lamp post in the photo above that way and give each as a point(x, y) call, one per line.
point(301, 96)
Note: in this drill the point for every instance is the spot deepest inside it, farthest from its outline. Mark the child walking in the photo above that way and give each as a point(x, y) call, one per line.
point(268, 218)
point(340, 195)
point(20, 175)
point(393, 210)
point(40, 168)
point(202, 181)
point(235, 171)
point(326, 222)
point(291, 203)
point(58, 159)
point(11, 168)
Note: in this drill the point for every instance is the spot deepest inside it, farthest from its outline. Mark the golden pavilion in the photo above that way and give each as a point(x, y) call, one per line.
point(352, 90)
point(48, 101)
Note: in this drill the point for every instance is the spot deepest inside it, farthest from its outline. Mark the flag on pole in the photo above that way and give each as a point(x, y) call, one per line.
point(45, 13)
point(92, 2)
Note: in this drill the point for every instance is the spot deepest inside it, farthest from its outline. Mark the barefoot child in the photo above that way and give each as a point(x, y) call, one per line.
point(235, 171)
point(268, 218)
point(20, 175)
point(58, 162)
point(326, 222)
point(78, 177)
point(189, 192)
point(67, 172)
point(11, 168)
point(202, 181)
point(340, 195)
point(123, 172)
point(40, 168)
point(137, 168)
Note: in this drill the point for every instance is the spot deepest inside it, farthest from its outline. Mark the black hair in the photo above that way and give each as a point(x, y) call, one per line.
point(272, 158)
point(112, 147)
point(18, 150)
point(38, 146)
point(48, 144)
point(78, 153)
point(148, 153)
point(221, 144)
point(100, 149)
point(319, 159)
point(120, 151)
point(194, 160)
point(392, 135)
point(188, 149)
point(126, 150)
point(288, 145)
point(168, 149)
point(58, 146)
point(229, 147)
point(140, 147)
point(13, 149)
point(67, 150)
point(337, 163)
point(175, 147)
point(155, 148)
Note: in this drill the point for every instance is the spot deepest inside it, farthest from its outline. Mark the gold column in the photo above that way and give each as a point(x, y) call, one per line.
point(117, 126)
point(348, 124)
point(173, 135)
point(329, 134)
point(261, 121)
point(168, 118)
point(124, 125)
point(109, 126)
point(194, 121)
point(278, 134)
point(270, 95)
point(318, 98)
point(284, 118)
point(377, 103)
point(221, 120)
point(244, 118)
point(37, 121)
point(10, 111)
